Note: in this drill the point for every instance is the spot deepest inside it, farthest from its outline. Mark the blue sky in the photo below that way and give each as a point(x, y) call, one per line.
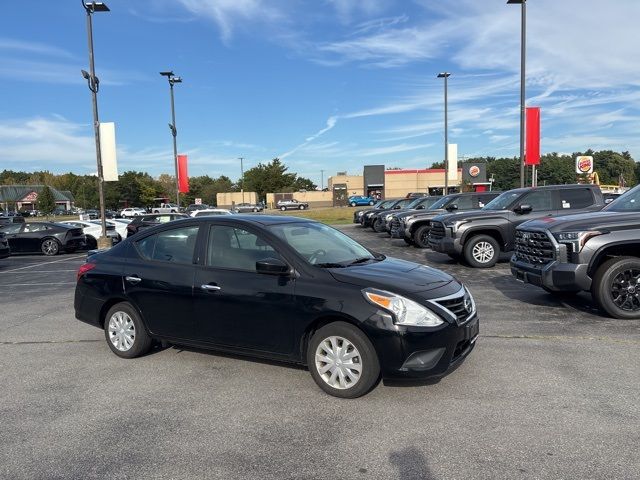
point(322, 84)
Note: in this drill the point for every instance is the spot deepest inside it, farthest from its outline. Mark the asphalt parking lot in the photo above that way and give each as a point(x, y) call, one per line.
point(551, 391)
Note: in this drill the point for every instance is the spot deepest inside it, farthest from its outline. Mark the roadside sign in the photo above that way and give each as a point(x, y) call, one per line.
point(584, 164)
point(198, 201)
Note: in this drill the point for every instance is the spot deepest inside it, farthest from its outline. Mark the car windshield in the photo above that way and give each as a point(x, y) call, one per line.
point(502, 201)
point(322, 245)
point(627, 202)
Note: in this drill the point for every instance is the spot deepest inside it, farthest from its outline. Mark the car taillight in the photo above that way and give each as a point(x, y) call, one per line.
point(85, 268)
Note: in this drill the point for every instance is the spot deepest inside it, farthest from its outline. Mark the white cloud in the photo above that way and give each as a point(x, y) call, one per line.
point(22, 46)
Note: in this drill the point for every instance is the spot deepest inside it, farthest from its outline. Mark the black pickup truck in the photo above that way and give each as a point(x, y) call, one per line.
point(596, 252)
point(480, 236)
point(414, 226)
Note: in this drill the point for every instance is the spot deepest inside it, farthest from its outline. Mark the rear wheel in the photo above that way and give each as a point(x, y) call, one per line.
point(370, 203)
point(255, 210)
point(342, 360)
point(283, 208)
point(301, 207)
point(353, 204)
point(421, 236)
point(481, 251)
point(616, 287)
point(50, 247)
point(125, 333)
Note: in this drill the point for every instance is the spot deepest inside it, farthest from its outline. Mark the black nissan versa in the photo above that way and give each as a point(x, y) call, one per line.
point(285, 288)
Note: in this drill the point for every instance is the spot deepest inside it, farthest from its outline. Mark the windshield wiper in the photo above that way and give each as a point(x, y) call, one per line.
point(361, 260)
point(329, 265)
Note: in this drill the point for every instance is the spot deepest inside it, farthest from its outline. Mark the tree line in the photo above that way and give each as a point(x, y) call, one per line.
point(140, 189)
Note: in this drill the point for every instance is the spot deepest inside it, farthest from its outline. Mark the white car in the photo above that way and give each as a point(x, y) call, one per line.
point(119, 223)
point(93, 231)
point(211, 211)
point(132, 212)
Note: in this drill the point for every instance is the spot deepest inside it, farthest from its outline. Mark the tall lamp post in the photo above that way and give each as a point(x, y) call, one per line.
point(94, 84)
point(172, 126)
point(446, 75)
point(241, 177)
point(523, 49)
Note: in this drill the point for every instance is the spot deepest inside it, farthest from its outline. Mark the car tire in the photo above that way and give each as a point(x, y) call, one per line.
point(615, 282)
point(353, 204)
point(50, 247)
point(255, 210)
point(283, 208)
point(409, 241)
point(371, 203)
point(338, 380)
point(156, 211)
point(481, 251)
point(125, 332)
point(379, 226)
point(421, 236)
point(301, 207)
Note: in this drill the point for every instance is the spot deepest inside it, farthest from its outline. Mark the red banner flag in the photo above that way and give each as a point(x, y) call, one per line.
point(183, 176)
point(532, 151)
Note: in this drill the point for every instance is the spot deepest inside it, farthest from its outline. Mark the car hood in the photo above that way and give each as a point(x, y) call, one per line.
point(398, 276)
point(471, 215)
point(585, 221)
point(424, 213)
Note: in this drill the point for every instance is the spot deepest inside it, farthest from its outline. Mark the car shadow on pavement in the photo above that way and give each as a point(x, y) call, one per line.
point(411, 464)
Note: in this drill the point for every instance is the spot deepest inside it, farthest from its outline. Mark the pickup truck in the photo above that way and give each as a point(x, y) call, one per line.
point(596, 252)
point(166, 208)
point(480, 236)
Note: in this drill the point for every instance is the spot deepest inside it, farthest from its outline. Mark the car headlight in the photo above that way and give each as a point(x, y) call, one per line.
point(360, 214)
point(576, 239)
point(389, 217)
point(454, 225)
point(405, 311)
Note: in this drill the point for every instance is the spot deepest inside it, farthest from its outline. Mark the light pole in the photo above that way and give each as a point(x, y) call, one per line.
point(445, 75)
point(172, 126)
point(321, 180)
point(94, 85)
point(241, 177)
point(523, 50)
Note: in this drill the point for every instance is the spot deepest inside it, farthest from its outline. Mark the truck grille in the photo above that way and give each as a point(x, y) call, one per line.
point(395, 225)
point(534, 247)
point(437, 230)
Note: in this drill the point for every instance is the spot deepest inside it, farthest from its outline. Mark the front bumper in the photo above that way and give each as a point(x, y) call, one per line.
point(446, 244)
point(556, 276)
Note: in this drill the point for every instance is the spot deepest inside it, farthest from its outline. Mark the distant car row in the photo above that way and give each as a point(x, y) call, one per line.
point(562, 237)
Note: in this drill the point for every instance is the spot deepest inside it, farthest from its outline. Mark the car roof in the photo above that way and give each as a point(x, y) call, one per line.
point(263, 220)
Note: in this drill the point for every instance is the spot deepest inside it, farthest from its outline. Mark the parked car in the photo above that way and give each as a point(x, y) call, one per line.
point(377, 219)
point(5, 251)
point(358, 215)
point(48, 238)
point(132, 212)
point(480, 236)
point(359, 201)
point(120, 225)
point(91, 214)
point(211, 211)
point(370, 215)
point(292, 204)
point(597, 252)
point(196, 206)
point(7, 218)
point(166, 208)
point(414, 227)
point(248, 207)
point(93, 230)
point(259, 285)
point(145, 221)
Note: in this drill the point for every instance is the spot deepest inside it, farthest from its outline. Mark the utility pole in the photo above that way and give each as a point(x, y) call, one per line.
point(321, 180)
point(172, 126)
point(241, 177)
point(523, 53)
point(446, 75)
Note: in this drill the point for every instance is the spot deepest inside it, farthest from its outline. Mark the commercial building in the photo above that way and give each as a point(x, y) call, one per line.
point(25, 197)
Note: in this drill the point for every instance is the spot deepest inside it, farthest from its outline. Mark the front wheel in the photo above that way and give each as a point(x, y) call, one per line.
point(125, 332)
point(353, 204)
point(421, 236)
point(255, 210)
point(370, 203)
point(616, 287)
point(283, 208)
point(481, 251)
point(301, 207)
point(342, 360)
point(50, 247)
point(378, 225)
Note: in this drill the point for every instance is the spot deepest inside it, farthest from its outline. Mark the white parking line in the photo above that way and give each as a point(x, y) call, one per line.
point(45, 263)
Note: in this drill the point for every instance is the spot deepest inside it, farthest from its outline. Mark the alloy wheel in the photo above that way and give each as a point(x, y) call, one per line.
point(338, 362)
point(483, 252)
point(122, 331)
point(49, 247)
point(625, 290)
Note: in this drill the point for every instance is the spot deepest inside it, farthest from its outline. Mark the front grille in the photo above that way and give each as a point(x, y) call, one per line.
point(534, 247)
point(395, 224)
point(460, 305)
point(437, 230)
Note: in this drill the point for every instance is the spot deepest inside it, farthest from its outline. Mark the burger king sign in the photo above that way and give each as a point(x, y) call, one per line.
point(584, 165)
point(474, 171)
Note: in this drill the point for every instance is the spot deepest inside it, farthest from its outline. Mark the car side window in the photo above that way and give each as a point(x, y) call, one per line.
point(539, 200)
point(464, 203)
point(12, 228)
point(576, 198)
point(176, 245)
point(230, 247)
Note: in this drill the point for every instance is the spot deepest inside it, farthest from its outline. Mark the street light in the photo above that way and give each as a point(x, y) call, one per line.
point(172, 126)
point(241, 177)
point(445, 75)
point(94, 85)
point(523, 45)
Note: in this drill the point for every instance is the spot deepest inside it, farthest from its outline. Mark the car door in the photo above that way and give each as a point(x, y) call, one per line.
point(12, 232)
point(543, 204)
point(235, 305)
point(158, 280)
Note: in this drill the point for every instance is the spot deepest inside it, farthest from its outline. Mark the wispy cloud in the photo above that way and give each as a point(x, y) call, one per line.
point(13, 45)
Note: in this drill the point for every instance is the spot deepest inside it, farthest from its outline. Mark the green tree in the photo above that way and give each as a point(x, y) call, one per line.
point(46, 201)
point(556, 169)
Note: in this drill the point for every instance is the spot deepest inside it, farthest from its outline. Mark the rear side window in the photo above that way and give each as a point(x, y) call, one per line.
point(576, 198)
point(176, 245)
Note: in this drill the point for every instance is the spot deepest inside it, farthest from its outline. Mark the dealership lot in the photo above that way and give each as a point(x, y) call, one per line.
point(550, 392)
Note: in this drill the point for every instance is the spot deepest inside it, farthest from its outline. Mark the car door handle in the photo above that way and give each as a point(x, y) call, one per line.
point(210, 287)
point(133, 279)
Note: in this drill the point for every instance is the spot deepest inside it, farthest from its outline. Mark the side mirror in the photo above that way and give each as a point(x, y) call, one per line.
point(272, 266)
point(452, 207)
point(420, 207)
point(397, 207)
point(523, 209)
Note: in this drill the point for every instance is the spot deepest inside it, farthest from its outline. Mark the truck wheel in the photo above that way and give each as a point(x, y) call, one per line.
point(421, 236)
point(481, 251)
point(378, 225)
point(616, 287)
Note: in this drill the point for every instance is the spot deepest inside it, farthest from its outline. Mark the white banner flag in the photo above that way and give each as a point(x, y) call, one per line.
point(108, 151)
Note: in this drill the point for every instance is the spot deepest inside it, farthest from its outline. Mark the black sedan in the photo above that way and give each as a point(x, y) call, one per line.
point(284, 288)
point(46, 237)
